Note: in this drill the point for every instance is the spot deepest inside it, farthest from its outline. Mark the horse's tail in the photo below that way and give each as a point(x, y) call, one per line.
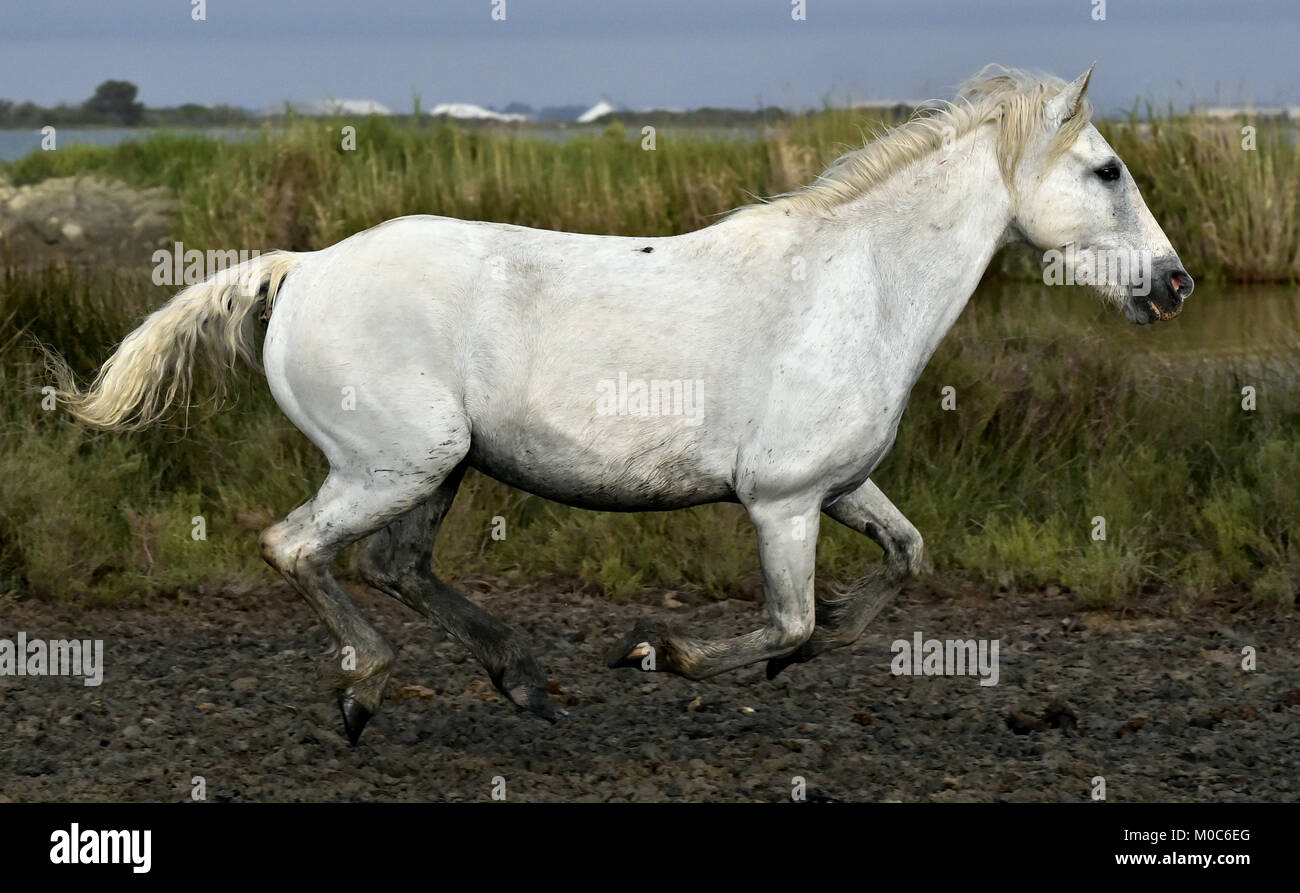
point(153, 368)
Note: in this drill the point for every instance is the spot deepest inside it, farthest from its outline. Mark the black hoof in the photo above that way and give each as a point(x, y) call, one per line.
point(638, 649)
point(522, 681)
point(355, 717)
point(534, 700)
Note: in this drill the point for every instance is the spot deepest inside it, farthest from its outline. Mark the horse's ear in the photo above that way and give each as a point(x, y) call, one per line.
point(1065, 105)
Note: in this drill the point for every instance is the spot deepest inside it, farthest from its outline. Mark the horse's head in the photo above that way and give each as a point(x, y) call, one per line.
point(1076, 201)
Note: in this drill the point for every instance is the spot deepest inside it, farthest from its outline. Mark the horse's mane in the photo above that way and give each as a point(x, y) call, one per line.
point(1011, 99)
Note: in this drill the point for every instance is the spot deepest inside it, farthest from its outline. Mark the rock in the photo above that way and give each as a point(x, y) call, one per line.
point(83, 221)
point(417, 691)
point(150, 220)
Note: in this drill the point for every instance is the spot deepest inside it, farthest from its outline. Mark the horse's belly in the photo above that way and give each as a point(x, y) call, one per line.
point(599, 470)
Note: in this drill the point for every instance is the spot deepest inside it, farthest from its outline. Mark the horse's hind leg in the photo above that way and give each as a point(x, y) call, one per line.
point(842, 618)
point(348, 506)
point(398, 562)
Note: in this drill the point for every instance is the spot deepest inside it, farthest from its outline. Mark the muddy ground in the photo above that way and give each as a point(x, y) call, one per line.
point(228, 688)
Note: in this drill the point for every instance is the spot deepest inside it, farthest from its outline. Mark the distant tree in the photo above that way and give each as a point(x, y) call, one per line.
point(192, 113)
point(29, 113)
point(115, 101)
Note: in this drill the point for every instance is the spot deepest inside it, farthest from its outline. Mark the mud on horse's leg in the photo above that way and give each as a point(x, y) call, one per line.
point(302, 547)
point(843, 617)
point(787, 547)
point(398, 562)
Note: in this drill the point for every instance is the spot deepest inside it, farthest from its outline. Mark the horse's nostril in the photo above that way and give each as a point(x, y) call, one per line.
point(1181, 284)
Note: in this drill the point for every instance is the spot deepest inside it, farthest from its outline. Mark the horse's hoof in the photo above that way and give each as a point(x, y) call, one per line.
point(355, 717)
point(633, 650)
point(523, 682)
point(653, 647)
point(639, 656)
point(534, 700)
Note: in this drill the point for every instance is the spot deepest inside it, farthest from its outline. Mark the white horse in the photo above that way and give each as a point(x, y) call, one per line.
point(426, 345)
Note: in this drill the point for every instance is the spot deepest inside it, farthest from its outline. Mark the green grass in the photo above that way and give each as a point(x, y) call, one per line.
point(1233, 214)
point(1052, 428)
point(299, 189)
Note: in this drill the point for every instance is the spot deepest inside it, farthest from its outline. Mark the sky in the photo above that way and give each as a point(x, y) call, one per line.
point(642, 53)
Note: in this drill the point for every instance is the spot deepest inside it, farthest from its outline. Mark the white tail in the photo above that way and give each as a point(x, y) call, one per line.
point(153, 368)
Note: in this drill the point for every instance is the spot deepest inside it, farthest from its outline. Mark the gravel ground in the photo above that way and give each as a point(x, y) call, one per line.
point(227, 688)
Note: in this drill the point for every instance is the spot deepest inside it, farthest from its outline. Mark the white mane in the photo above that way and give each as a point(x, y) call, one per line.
point(1013, 100)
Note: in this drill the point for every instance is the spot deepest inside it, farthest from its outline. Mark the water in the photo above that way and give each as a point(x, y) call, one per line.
point(1229, 323)
point(14, 144)
point(1225, 324)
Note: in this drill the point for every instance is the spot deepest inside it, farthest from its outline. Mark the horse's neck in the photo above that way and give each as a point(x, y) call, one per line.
point(930, 233)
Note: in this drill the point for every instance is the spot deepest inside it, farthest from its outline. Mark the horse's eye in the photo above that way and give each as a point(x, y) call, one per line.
point(1108, 172)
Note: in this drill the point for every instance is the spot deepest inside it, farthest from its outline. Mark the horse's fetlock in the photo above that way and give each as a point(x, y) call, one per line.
point(908, 559)
point(794, 632)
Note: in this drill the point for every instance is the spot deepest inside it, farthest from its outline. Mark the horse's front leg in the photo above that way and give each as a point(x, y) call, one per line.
point(787, 546)
point(842, 617)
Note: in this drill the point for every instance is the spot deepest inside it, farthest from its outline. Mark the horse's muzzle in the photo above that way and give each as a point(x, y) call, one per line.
point(1170, 287)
